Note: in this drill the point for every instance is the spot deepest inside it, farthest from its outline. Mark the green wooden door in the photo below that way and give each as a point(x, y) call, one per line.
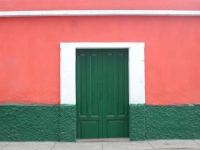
point(102, 93)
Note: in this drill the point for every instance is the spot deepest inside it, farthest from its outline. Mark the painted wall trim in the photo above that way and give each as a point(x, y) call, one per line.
point(99, 13)
point(68, 69)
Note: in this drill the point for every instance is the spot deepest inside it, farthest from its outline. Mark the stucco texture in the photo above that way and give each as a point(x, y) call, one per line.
point(137, 122)
point(98, 5)
point(30, 55)
point(164, 122)
point(37, 123)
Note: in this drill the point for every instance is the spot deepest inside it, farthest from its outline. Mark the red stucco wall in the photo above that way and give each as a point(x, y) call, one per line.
point(99, 4)
point(30, 54)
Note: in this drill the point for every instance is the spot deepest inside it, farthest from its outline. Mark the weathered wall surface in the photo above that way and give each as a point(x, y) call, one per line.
point(30, 68)
point(38, 123)
point(30, 55)
point(164, 122)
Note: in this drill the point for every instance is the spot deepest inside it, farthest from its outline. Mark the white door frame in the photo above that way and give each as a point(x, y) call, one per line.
point(68, 69)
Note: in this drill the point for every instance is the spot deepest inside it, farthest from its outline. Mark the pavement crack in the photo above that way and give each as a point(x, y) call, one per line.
point(5, 146)
point(150, 144)
point(53, 146)
point(196, 142)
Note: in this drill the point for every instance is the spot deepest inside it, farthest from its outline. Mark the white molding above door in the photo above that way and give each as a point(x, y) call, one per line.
point(57, 13)
point(68, 69)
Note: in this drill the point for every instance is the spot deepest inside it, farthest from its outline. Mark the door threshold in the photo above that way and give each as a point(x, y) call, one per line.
point(104, 140)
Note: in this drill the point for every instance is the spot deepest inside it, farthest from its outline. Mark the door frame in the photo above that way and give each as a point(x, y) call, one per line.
point(136, 69)
point(110, 118)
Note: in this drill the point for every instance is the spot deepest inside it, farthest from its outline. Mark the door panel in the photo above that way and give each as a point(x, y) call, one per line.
point(102, 93)
point(87, 94)
point(115, 128)
point(89, 129)
point(116, 94)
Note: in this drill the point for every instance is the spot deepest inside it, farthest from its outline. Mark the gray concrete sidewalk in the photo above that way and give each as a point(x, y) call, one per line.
point(126, 145)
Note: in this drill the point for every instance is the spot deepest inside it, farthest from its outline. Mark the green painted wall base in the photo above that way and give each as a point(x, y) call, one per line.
point(38, 123)
point(137, 122)
point(164, 122)
point(58, 122)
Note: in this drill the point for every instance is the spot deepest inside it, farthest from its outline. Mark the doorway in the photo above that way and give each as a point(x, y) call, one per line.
point(102, 93)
